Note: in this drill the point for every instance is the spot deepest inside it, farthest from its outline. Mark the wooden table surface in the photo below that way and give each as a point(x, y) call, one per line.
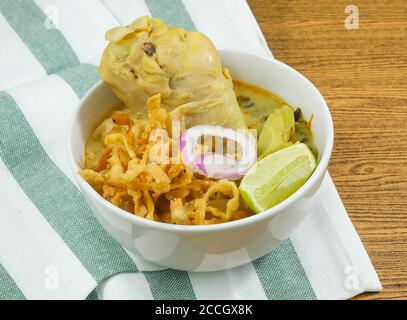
point(362, 73)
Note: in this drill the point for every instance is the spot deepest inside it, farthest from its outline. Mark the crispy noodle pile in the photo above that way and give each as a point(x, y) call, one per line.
point(121, 166)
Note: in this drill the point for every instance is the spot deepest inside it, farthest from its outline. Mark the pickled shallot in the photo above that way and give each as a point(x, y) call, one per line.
point(212, 161)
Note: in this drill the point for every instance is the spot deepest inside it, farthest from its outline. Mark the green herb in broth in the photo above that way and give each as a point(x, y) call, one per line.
point(257, 104)
point(303, 131)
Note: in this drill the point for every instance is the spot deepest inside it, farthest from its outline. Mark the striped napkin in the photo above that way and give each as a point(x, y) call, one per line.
point(51, 247)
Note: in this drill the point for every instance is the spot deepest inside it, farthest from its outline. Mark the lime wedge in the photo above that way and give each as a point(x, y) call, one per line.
point(277, 176)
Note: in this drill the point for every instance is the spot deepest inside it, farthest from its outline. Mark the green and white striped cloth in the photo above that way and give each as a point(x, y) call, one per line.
point(51, 247)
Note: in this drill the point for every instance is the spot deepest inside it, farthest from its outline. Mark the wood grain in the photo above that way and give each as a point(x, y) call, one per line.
point(362, 74)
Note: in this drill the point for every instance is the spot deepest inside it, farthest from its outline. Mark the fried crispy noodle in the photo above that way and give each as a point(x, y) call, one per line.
point(121, 165)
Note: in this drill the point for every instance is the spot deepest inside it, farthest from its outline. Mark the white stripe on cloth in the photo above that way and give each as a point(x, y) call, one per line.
point(35, 256)
point(349, 237)
point(48, 105)
point(330, 250)
point(82, 23)
point(229, 24)
point(125, 11)
point(18, 64)
point(241, 283)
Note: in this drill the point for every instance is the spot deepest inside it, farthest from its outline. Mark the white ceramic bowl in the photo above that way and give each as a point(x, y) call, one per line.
point(221, 246)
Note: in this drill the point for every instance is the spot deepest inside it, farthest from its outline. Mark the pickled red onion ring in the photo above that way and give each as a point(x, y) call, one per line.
point(217, 165)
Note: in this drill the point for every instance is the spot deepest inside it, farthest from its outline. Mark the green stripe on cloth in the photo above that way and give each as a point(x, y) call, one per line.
point(93, 296)
point(56, 197)
point(81, 78)
point(170, 285)
point(171, 11)
point(282, 275)
point(8, 288)
point(48, 45)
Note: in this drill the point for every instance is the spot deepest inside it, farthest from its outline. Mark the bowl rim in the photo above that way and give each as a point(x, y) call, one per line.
point(256, 218)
